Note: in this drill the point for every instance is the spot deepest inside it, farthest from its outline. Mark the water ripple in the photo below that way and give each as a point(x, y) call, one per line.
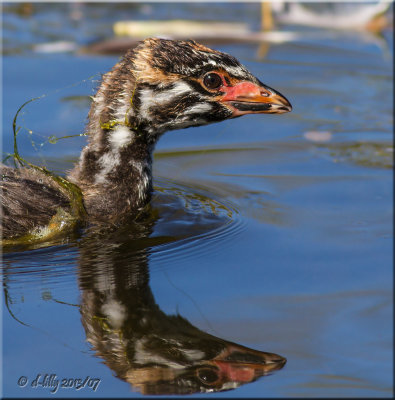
point(183, 222)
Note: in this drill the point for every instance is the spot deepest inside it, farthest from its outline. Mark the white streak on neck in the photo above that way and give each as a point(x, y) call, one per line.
point(108, 161)
point(123, 106)
point(144, 182)
point(120, 137)
point(146, 99)
point(115, 312)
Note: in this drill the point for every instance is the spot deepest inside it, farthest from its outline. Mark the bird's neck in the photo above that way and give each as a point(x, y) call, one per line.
point(114, 170)
point(116, 179)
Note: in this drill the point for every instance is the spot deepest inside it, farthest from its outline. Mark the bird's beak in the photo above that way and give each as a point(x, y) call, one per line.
point(243, 364)
point(250, 98)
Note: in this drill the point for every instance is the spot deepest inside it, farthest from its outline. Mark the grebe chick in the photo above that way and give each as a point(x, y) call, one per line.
point(158, 86)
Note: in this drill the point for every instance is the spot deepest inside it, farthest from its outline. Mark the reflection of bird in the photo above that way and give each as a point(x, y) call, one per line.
point(158, 86)
point(155, 352)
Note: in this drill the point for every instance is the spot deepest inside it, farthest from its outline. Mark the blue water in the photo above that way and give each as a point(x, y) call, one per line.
point(264, 235)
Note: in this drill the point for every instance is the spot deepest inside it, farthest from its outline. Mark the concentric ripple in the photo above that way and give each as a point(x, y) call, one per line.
point(191, 221)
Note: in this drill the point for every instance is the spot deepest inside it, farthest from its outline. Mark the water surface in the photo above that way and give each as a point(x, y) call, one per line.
point(270, 232)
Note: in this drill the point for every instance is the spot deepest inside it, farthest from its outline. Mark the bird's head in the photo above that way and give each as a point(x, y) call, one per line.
point(159, 85)
point(177, 84)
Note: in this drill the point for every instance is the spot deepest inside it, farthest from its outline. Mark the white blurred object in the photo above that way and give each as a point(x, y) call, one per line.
point(182, 29)
point(318, 136)
point(177, 27)
point(337, 15)
point(55, 47)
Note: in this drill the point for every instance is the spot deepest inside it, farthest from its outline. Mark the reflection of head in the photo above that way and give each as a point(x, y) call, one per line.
point(156, 353)
point(202, 374)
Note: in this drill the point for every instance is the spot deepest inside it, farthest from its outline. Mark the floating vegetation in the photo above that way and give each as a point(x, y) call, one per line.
point(54, 139)
point(366, 154)
point(78, 100)
point(62, 220)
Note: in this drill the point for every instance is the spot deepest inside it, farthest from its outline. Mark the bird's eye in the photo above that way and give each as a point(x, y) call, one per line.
point(207, 375)
point(212, 81)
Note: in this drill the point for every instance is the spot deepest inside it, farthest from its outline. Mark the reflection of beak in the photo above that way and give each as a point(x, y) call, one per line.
point(242, 364)
point(249, 98)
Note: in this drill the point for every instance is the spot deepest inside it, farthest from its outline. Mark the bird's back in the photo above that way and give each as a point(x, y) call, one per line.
point(29, 200)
